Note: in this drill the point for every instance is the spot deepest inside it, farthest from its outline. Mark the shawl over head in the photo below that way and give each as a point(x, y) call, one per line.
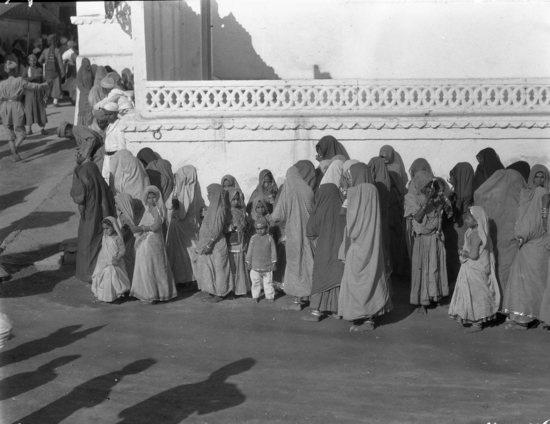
point(482, 226)
point(238, 217)
point(260, 192)
point(420, 164)
point(233, 183)
point(462, 179)
point(125, 203)
point(420, 180)
point(489, 162)
point(128, 174)
point(328, 147)
point(85, 76)
point(348, 164)
point(97, 93)
point(188, 192)
point(253, 214)
point(534, 171)
point(217, 215)
point(161, 207)
point(114, 223)
point(147, 155)
point(127, 78)
point(334, 173)
point(307, 172)
point(395, 166)
point(522, 167)
point(360, 174)
point(380, 172)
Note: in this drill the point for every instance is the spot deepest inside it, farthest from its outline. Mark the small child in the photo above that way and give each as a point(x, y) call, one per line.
point(235, 235)
point(261, 260)
point(476, 298)
point(110, 280)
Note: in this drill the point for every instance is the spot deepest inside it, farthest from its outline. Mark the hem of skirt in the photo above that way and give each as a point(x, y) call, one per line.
point(463, 321)
point(383, 311)
point(157, 299)
point(431, 300)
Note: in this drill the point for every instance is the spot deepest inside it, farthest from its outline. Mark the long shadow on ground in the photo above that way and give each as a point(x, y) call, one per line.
point(59, 338)
point(174, 405)
point(51, 149)
point(37, 219)
point(9, 199)
point(37, 283)
point(18, 384)
point(87, 395)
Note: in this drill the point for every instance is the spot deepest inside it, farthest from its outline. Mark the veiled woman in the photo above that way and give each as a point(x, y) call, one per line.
point(326, 226)
point(266, 190)
point(129, 213)
point(294, 207)
point(365, 290)
point(84, 83)
point(382, 181)
point(499, 196)
point(212, 271)
point(127, 174)
point(327, 149)
point(153, 280)
point(522, 167)
point(97, 92)
point(183, 232)
point(529, 271)
point(159, 171)
point(488, 163)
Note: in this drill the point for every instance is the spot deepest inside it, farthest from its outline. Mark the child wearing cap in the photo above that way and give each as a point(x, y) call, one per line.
point(261, 259)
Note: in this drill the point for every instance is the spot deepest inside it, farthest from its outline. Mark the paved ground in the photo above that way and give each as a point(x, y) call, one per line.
point(74, 361)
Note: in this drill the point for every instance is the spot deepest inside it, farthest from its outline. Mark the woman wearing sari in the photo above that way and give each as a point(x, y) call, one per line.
point(326, 226)
point(499, 196)
point(129, 212)
point(84, 83)
point(529, 271)
point(488, 163)
point(183, 232)
point(153, 280)
point(213, 272)
point(429, 283)
point(365, 289)
point(97, 92)
point(127, 174)
point(159, 171)
point(294, 207)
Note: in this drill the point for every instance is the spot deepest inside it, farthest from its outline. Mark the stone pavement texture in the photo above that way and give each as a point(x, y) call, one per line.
point(74, 361)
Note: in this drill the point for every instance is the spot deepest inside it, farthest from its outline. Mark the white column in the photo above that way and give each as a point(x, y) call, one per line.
point(140, 57)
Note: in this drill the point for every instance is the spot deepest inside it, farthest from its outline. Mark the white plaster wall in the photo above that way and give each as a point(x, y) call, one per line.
point(388, 39)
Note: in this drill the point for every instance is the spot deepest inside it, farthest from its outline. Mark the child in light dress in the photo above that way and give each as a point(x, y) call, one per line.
point(110, 280)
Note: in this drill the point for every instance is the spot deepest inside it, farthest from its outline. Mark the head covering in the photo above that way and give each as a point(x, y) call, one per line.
point(158, 195)
point(147, 155)
point(360, 174)
point(100, 73)
point(84, 76)
point(127, 79)
point(420, 180)
point(97, 93)
point(328, 147)
point(489, 162)
point(111, 220)
point(62, 128)
point(101, 114)
point(334, 173)
point(522, 167)
point(108, 82)
point(253, 214)
point(71, 44)
point(420, 164)
point(217, 215)
point(380, 173)
point(188, 192)
point(110, 107)
point(126, 204)
point(307, 172)
point(128, 174)
point(534, 171)
point(482, 220)
point(462, 179)
point(395, 166)
point(232, 184)
point(348, 164)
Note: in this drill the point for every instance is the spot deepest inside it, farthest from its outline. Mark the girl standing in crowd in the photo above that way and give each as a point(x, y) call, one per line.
point(365, 291)
point(476, 298)
point(529, 270)
point(129, 213)
point(236, 243)
point(183, 232)
point(213, 272)
point(424, 207)
point(110, 281)
point(326, 227)
point(294, 208)
point(153, 280)
point(35, 100)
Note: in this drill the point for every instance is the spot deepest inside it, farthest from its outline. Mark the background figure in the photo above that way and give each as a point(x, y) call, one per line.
point(53, 69)
point(35, 100)
point(84, 83)
point(488, 163)
point(97, 92)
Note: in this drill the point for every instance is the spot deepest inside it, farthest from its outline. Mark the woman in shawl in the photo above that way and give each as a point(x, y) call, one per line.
point(423, 207)
point(529, 271)
point(129, 212)
point(365, 290)
point(461, 178)
point(326, 227)
point(127, 79)
point(35, 100)
point(488, 163)
point(499, 196)
point(236, 235)
point(265, 190)
point(213, 272)
point(95, 202)
point(522, 167)
point(110, 281)
point(294, 208)
point(476, 297)
point(153, 280)
point(127, 174)
point(159, 171)
point(328, 148)
point(183, 232)
point(84, 83)
point(97, 92)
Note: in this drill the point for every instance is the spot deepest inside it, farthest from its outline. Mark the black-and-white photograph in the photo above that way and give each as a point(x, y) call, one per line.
point(275, 211)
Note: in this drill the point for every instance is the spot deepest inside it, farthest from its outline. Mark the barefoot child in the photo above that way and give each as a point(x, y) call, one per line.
point(261, 258)
point(476, 297)
point(109, 280)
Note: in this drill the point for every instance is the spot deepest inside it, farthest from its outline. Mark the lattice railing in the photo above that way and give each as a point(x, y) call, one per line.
point(399, 97)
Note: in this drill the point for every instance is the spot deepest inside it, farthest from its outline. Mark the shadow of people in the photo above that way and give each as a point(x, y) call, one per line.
point(59, 338)
point(53, 148)
point(400, 295)
point(9, 199)
point(26, 381)
point(38, 283)
point(174, 405)
point(37, 219)
point(87, 395)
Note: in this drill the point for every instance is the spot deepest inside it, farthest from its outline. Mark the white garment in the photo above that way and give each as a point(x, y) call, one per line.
point(114, 137)
point(118, 96)
point(259, 279)
point(68, 54)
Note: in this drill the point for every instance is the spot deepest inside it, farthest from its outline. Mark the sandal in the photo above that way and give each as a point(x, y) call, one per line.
point(512, 325)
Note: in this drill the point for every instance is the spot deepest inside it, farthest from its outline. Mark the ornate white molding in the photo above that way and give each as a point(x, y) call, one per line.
point(419, 98)
point(92, 19)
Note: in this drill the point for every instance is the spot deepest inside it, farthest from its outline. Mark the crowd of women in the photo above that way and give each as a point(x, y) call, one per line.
point(340, 231)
